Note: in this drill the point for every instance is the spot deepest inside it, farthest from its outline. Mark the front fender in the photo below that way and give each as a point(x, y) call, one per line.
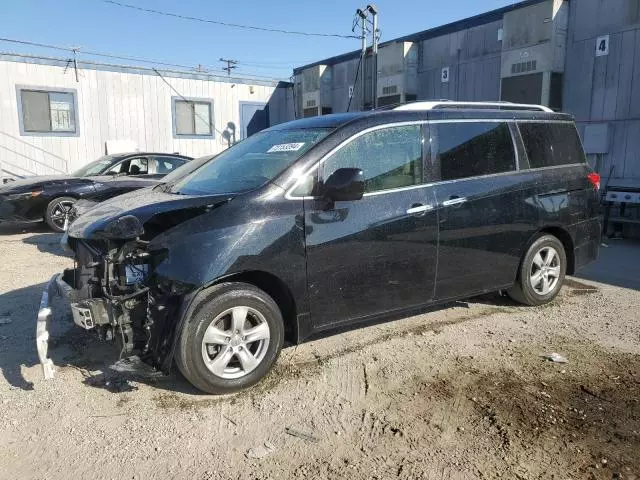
point(230, 241)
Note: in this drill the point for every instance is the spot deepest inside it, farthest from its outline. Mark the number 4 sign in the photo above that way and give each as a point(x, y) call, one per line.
point(602, 46)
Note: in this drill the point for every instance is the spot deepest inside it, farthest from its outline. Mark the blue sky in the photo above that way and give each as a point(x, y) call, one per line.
point(98, 26)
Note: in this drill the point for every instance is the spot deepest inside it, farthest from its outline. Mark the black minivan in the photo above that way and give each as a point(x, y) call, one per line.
point(328, 221)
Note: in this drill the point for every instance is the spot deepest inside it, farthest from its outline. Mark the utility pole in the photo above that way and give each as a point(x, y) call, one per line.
point(231, 64)
point(73, 61)
point(363, 20)
point(374, 61)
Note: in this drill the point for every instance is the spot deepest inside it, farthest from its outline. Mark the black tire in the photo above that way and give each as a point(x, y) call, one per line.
point(523, 291)
point(57, 206)
point(221, 298)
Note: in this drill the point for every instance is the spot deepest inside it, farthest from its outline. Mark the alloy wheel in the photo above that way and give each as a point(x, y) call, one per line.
point(235, 342)
point(545, 271)
point(61, 214)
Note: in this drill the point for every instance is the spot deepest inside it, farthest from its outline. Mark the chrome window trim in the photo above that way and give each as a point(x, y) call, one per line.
point(513, 128)
point(456, 180)
point(289, 195)
point(394, 190)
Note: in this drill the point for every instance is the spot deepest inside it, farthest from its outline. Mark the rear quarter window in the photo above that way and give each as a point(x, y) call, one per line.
point(551, 144)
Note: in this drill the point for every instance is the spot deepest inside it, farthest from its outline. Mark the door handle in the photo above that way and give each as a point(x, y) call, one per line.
point(418, 208)
point(454, 200)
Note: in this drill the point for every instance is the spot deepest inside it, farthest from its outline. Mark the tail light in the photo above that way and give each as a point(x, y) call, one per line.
point(594, 178)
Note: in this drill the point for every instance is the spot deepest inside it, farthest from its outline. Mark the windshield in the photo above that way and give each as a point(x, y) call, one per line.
point(94, 168)
point(186, 169)
point(250, 163)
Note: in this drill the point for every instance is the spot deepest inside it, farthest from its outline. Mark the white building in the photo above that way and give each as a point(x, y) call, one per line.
point(52, 121)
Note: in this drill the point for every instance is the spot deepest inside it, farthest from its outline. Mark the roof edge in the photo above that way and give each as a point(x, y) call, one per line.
point(458, 25)
point(139, 70)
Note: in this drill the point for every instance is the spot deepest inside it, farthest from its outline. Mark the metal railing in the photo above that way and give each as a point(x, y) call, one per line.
point(432, 105)
point(58, 164)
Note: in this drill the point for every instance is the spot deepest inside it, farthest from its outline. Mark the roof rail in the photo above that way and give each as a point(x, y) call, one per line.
point(432, 105)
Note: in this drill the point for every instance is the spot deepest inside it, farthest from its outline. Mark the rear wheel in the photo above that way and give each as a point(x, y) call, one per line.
point(231, 341)
point(541, 273)
point(58, 214)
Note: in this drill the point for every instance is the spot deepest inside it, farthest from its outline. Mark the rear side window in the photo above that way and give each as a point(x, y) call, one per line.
point(551, 144)
point(390, 158)
point(167, 164)
point(471, 149)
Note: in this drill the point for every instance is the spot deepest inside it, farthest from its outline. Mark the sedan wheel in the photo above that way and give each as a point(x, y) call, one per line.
point(58, 215)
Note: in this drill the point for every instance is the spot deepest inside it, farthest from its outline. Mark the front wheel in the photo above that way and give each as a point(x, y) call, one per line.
point(58, 214)
point(232, 340)
point(541, 273)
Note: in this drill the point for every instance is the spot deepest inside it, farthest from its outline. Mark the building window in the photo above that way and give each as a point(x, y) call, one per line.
point(192, 117)
point(47, 112)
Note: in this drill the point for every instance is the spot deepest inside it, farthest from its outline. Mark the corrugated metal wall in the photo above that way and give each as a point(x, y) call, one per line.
point(116, 105)
point(606, 89)
point(602, 91)
point(344, 75)
point(473, 58)
point(472, 55)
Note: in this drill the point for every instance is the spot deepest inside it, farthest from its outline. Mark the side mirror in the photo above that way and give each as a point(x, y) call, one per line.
point(344, 184)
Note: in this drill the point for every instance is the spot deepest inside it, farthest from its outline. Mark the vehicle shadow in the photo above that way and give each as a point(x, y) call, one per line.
point(18, 310)
point(618, 264)
point(14, 228)
point(48, 243)
point(69, 347)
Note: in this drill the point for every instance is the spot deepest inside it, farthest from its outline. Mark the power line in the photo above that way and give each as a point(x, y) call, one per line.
point(227, 24)
point(118, 57)
point(355, 83)
point(279, 62)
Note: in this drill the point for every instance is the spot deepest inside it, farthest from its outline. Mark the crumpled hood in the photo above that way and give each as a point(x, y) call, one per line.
point(32, 183)
point(142, 204)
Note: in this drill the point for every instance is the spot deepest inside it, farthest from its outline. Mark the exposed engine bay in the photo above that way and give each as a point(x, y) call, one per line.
point(112, 295)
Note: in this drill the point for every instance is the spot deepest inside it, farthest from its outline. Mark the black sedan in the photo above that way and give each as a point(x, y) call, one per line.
point(127, 184)
point(52, 197)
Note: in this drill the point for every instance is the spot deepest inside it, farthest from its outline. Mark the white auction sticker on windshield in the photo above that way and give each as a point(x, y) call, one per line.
point(286, 147)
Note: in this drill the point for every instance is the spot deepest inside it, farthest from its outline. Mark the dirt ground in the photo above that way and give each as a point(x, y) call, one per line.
point(461, 392)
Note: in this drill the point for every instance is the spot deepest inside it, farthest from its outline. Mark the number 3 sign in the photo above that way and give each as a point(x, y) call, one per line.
point(445, 75)
point(602, 46)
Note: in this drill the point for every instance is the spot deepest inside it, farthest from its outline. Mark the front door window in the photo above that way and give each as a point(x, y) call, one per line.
point(390, 158)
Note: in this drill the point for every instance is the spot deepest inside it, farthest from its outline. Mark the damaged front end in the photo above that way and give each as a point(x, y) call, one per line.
point(113, 289)
point(114, 293)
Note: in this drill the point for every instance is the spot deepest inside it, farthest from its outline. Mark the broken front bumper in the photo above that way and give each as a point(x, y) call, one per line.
point(56, 287)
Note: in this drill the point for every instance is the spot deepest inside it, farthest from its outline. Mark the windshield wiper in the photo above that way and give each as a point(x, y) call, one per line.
point(163, 187)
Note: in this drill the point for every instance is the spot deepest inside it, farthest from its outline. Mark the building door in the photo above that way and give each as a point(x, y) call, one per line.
point(254, 117)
